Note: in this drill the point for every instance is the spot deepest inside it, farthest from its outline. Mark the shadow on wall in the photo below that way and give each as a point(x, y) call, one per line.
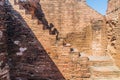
point(27, 58)
point(34, 8)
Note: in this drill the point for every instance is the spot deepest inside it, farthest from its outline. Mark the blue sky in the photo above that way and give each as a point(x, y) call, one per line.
point(98, 5)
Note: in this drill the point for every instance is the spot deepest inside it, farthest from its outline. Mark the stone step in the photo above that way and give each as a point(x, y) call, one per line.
point(105, 71)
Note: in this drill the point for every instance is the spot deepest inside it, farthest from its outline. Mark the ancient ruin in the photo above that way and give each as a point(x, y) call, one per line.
point(59, 40)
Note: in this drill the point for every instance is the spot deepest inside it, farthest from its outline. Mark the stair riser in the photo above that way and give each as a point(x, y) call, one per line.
point(106, 74)
point(106, 79)
point(101, 63)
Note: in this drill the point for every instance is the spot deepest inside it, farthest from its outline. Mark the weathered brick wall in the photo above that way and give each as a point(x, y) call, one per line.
point(117, 43)
point(4, 69)
point(92, 40)
point(99, 39)
point(3, 51)
point(29, 60)
point(68, 15)
point(26, 56)
point(113, 9)
point(113, 48)
point(113, 28)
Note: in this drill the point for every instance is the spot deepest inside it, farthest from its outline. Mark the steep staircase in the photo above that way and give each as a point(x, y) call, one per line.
point(74, 66)
point(46, 40)
point(42, 35)
point(66, 62)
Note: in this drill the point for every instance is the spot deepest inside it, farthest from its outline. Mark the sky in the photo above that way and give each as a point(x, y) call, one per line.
point(98, 5)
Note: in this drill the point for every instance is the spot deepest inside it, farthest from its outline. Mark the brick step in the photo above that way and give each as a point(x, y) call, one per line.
point(62, 48)
point(12, 2)
point(42, 35)
point(63, 60)
point(76, 78)
point(22, 11)
point(37, 30)
point(64, 53)
point(105, 71)
point(17, 1)
point(40, 32)
point(16, 7)
point(100, 61)
point(60, 42)
point(37, 27)
point(28, 16)
point(104, 78)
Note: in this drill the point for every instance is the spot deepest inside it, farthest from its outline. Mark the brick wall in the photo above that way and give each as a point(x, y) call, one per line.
point(4, 69)
point(68, 15)
point(113, 30)
point(27, 58)
point(113, 13)
point(113, 9)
